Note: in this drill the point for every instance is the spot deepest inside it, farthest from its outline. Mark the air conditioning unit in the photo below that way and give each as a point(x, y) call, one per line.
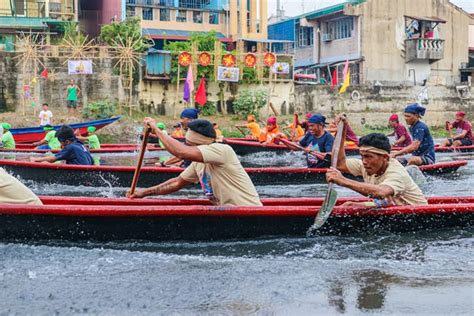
point(327, 37)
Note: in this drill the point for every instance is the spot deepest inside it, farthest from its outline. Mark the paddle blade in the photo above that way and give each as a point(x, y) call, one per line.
point(325, 209)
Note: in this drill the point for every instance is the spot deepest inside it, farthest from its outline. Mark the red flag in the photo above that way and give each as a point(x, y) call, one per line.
point(201, 98)
point(334, 78)
point(44, 73)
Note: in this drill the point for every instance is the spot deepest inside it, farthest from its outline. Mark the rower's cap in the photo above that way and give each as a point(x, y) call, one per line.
point(5, 125)
point(272, 120)
point(161, 125)
point(461, 113)
point(91, 129)
point(308, 115)
point(317, 119)
point(202, 127)
point(48, 127)
point(393, 117)
point(190, 113)
point(415, 108)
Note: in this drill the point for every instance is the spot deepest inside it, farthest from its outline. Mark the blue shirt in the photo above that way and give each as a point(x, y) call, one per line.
point(421, 132)
point(75, 154)
point(321, 144)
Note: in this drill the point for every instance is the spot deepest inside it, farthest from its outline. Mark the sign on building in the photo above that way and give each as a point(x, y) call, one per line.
point(281, 68)
point(231, 74)
point(79, 67)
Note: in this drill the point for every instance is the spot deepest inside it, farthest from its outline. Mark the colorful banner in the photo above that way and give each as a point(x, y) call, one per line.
point(231, 74)
point(250, 60)
point(281, 68)
point(204, 59)
point(184, 59)
point(79, 67)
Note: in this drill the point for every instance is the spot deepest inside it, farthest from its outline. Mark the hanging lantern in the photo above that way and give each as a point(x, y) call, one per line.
point(269, 59)
point(228, 60)
point(250, 60)
point(204, 59)
point(184, 59)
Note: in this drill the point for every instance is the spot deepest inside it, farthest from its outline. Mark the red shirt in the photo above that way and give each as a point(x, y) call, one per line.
point(351, 136)
point(400, 131)
point(463, 126)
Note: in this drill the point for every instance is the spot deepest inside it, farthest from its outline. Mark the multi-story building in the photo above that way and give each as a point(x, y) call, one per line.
point(44, 17)
point(385, 41)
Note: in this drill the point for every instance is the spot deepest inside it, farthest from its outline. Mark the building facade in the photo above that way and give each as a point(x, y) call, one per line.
point(388, 42)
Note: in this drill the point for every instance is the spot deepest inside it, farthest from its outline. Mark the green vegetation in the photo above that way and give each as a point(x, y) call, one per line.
point(130, 29)
point(250, 102)
point(209, 109)
point(99, 110)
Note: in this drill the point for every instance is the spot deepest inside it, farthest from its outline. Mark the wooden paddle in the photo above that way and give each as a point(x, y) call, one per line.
point(331, 195)
point(141, 155)
point(241, 131)
point(291, 144)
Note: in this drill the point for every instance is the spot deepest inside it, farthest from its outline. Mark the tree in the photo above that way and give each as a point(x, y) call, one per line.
point(128, 29)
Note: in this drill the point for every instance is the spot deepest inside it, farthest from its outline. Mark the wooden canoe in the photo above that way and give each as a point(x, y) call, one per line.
point(103, 219)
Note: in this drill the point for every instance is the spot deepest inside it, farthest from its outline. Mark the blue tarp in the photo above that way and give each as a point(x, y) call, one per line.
point(158, 62)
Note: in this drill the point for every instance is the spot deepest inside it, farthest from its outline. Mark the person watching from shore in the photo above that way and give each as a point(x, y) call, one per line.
point(317, 143)
point(92, 140)
point(73, 151)
point(402, 137)
point(463, 131)
point(214, 165)
point(45, 116)
point(385, 179)
point(50, 141)
point(253, 126)
point(72, 93)
point(12, 191)
point(7, 138)
point(271, 132)
point(422, 147)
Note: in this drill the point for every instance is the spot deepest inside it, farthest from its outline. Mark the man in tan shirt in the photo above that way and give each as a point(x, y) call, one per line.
point(13, 191)
point(385, 179)
point(214, 165)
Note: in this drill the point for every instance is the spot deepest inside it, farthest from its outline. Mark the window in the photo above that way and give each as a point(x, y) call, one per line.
point(130, 12)
point(147, 14)
point(305, 36)
point(181, 16)
point(213, 17)
point(341, 28)
point(197, 16)
point(165, 15)
point(20, 7)
point(131, 1)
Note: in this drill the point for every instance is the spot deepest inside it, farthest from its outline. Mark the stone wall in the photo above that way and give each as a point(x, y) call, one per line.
point(101, 85)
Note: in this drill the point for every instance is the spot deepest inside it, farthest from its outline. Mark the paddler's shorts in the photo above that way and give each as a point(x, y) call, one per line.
point(71, 104)
point(464, 142)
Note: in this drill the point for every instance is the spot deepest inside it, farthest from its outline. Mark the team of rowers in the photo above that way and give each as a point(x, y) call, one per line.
point(216, 167)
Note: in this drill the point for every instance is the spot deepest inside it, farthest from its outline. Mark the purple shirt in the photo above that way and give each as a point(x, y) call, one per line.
point(463, 126)
point(400, 131)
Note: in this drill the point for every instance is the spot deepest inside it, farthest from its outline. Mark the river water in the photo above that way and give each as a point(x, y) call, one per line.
point(418, 273)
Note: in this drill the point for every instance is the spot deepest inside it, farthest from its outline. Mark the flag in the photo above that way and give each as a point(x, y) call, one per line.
point(346, 68)
point(334, 78)
point(200, 97)
point(188, 85)
point(44, 73)
point(346, 83)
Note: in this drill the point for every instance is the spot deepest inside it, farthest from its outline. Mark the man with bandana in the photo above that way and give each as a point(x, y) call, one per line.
point(422, 147)
point(214, 165)
point(386, 181)
point(463, 129)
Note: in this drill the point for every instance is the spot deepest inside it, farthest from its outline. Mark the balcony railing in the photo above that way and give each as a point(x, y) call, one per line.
point(424, 49)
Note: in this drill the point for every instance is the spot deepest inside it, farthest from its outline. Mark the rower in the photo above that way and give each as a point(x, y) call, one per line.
point(317, 143)
point(178, 131)
point(400, 132)
point(73, 151)
point(463, 135)
point(12, 191)
point(162, 127)
point(304, 124)
point(219, 136)
point(385, 179)
point(253, 126)
point(271, 132)
point(50, 141)
point(422, 147)
point(7, 137)
point(299, 131)
point(91, 138)
point(351, 138)
point(214, 165)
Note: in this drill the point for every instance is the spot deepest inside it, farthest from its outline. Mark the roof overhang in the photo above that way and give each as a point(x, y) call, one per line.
point(177, 34)
point(427, 19)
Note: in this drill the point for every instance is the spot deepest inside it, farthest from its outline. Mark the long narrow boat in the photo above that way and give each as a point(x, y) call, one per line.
point(105, 149)
point(34, 134)
point(102, 219)
point(245, 147)
point(122, 175)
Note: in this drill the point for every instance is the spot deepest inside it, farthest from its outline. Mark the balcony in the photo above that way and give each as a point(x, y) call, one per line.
point(424, 49)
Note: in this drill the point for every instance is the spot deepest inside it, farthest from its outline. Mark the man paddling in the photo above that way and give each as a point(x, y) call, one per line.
point(422, 147)
point(271, 132)
point(12, 191)
point(50, 141)
point(7, 137)
point(463, 135)
point(400, 132)
point(317, 143)
point(214, 165)
point(73, 151)
point(385, 179)
point(253, 126)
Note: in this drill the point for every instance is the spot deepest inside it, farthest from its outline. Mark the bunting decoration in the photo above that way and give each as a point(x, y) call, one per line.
point(269, 59)
point(228, 60)
point(250, 60)
point(204, 59)
point(334, 79)
point(44, 73)
point(184, 59)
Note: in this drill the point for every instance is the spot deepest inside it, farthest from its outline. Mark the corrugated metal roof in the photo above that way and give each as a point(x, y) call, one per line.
point(330, 10)
point(24, 22)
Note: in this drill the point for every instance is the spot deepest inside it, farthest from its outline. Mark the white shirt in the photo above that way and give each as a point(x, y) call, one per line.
point(45, 117)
